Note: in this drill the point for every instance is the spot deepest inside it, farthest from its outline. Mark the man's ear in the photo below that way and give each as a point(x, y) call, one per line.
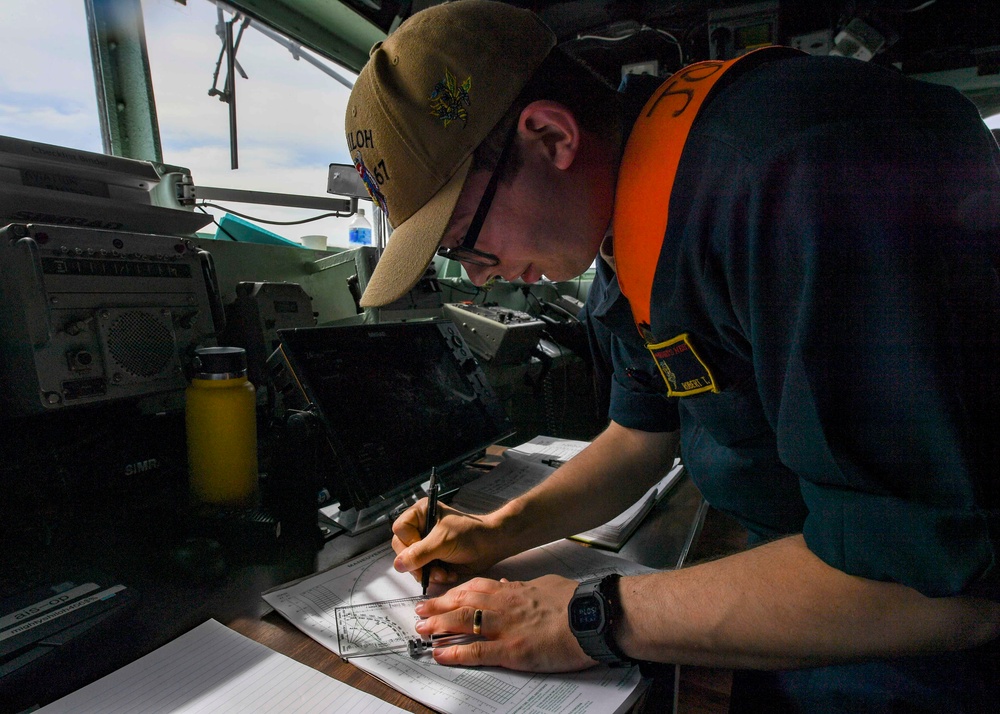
point(553, 129)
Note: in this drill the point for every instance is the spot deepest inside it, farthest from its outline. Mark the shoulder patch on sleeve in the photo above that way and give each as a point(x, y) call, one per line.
point(682, 369)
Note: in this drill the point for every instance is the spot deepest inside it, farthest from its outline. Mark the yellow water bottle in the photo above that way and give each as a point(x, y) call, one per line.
point(221, 424)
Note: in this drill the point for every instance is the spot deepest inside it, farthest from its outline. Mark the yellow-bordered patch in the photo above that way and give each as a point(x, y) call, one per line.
point(683, 370)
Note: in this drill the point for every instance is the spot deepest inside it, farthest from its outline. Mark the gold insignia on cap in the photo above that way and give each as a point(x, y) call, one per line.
point(449, 99)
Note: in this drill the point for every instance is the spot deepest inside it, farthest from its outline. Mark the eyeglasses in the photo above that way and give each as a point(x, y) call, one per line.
point(466, 251)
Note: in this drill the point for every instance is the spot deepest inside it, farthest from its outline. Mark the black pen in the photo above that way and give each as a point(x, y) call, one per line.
point(431, 518)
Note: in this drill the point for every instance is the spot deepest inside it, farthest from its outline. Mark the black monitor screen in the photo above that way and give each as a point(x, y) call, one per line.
point(396, 399)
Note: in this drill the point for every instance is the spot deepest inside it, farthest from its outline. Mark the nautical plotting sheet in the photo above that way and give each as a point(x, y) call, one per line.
point(366, 606)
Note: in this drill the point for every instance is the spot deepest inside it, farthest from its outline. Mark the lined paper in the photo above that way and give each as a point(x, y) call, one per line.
point(215, 669)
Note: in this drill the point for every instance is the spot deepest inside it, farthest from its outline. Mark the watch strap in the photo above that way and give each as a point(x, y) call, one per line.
point(608, 588)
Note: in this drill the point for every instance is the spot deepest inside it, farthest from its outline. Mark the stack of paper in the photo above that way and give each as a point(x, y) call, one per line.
point(524, 467)
point(613, 534)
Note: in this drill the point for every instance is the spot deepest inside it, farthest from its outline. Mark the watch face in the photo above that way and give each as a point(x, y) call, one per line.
point(586, 614)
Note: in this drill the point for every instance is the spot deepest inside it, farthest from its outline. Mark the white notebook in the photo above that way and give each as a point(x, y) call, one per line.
point(213, 669)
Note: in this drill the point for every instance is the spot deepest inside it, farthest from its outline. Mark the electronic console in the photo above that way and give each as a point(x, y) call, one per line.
point(89, 315)
point(394, 400)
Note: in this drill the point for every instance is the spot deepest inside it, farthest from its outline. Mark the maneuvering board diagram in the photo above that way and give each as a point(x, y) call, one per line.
point(375, 627)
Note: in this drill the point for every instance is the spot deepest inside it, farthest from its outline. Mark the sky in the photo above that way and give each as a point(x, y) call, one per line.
point(290, 115)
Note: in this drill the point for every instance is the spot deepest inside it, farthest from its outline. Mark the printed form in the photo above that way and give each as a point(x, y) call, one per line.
point(364, 606)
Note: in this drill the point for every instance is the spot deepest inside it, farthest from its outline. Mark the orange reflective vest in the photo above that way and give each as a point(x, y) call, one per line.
point(642, 198)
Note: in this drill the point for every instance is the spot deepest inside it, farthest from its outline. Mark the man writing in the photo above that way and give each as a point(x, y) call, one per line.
point(797, 285)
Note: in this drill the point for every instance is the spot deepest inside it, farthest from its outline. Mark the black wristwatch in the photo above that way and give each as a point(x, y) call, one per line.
point(593, 610)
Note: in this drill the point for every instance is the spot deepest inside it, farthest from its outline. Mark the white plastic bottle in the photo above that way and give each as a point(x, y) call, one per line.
point(360, 230)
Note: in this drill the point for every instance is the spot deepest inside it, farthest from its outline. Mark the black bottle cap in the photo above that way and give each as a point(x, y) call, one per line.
point(220, 362)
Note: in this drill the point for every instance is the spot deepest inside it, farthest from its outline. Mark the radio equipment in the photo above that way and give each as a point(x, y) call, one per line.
point(92, 316)
point(59, 185)
point(496, 334)
point(346, 275)
point(254, 318)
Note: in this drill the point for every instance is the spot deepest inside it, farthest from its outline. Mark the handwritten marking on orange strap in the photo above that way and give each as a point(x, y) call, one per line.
point(647, 174)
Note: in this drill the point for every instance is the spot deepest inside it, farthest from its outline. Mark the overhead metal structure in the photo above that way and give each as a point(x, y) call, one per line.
point(125, 100)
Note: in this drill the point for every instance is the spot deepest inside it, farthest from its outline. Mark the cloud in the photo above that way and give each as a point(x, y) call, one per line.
point(74, 125)
point(43, 52)
point(284, 102)
point(46, 82)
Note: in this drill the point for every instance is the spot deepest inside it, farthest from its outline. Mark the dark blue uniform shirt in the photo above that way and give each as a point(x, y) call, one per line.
point(833, 253)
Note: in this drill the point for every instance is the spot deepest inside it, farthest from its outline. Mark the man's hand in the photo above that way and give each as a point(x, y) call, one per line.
point(468, 544)
point(602, 481)
point(525, 625)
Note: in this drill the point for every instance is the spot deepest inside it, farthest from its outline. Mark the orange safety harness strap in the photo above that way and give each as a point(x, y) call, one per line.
point(649, 167)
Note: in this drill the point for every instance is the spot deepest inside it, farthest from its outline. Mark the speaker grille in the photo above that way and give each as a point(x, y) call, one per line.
point(140, 343)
